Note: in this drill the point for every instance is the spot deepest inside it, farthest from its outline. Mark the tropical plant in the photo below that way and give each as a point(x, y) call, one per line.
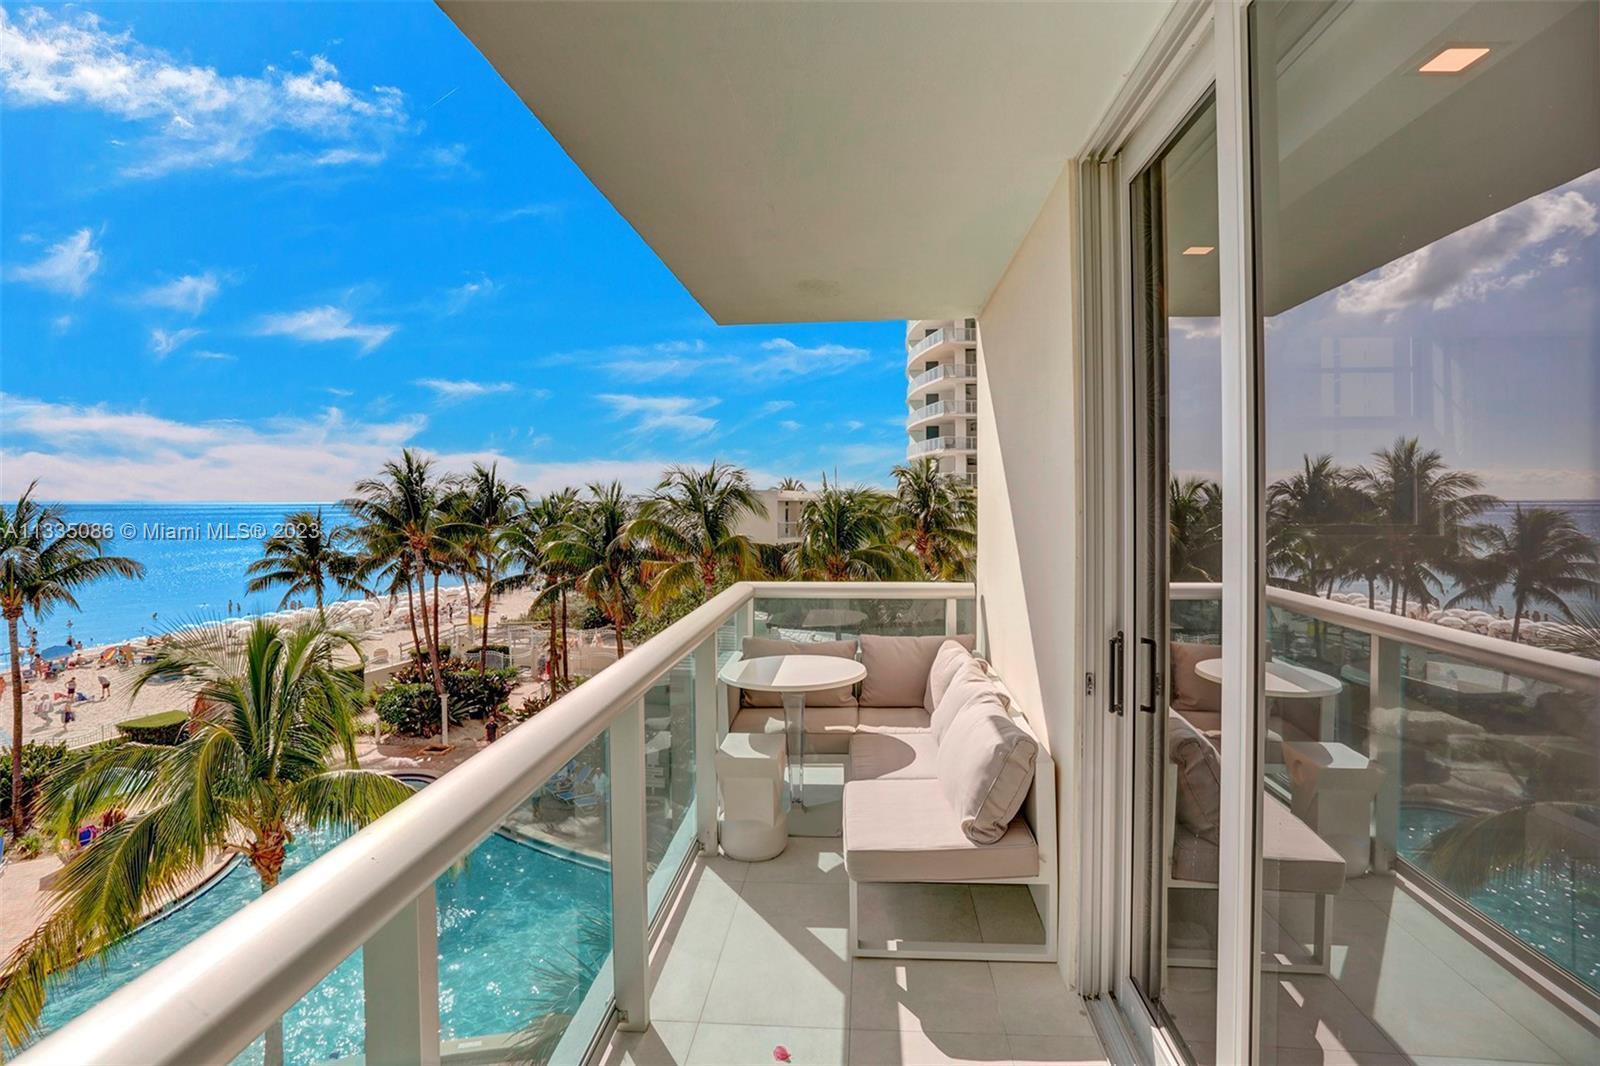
point(1194, 530)
point(1482, 850)
point(1424, 515)
point(40, 762)
point(688, 530)
point(489, 510)
point(306, 556)
point(846, 534)
point(406, 531)
point(935, 516)
point(273, 752)
point(594, 548)
point(791, 484)
point(528, 563)
point(1309, 523)
point(1542, 556)
point(44, 561)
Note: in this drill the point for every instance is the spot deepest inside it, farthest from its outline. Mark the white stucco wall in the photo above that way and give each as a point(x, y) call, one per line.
point(1028, 507)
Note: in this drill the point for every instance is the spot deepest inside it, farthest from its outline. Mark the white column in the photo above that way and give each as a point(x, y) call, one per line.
point(706, 713)
point(630, 947)
point(1385, 731)
point(400, 975)
point(950, 618)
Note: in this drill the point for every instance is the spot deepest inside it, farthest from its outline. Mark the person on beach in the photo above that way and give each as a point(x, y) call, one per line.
point(72, 691)
point(105, 687)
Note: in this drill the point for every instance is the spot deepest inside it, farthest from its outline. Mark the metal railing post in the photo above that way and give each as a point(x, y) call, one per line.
point(630, 945)
point(950, 618)
point(400, 976)
point(1386, 719)
point(705, 742)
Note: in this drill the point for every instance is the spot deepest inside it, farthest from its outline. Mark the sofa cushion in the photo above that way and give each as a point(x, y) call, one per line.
point(818, 720)
point(968, 684)
point(1198, 778)
point(898, 668)
point(946, 661)
point(986, 768)
point(759, 647)
point(1190, 691)
point(904, 831)
point(894, 720)
point(875, 757)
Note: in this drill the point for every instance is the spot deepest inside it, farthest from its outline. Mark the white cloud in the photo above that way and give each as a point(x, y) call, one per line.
point(789, 358)
point(852, 425)
point(164, 343)
point(97, 453)
point(344, 157)
point(452, 391)
point(193, 115)
point(1197, 328)
point(789, 424)
point(1472, 263)
point(203, 353)
point(326, 323)
point(772, 407)
point(529, 211)
point(61, 323)
point(673, 413)
point(457, 299)
point(66, 267)
point(188, 294)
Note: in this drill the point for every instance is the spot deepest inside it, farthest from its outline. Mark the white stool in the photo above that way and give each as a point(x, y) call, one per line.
point(1334, 786)
point(751, 776)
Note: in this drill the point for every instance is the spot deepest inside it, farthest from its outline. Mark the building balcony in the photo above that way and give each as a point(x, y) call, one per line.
point(948, 335)
point(941, 409)
point(949, 372)
point(940, 445)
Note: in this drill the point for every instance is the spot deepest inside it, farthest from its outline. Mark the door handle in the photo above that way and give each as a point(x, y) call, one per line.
point(1115, 673)
point(1154, 676)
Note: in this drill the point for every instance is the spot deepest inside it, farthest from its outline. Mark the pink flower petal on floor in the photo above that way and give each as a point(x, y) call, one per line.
point(780, 1053)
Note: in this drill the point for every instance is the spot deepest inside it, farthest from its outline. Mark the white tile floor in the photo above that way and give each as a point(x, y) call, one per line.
point(1405, 986)
point(754, 957)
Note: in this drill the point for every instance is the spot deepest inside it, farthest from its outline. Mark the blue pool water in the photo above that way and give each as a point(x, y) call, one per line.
point(1550, 912)
point(514, 914)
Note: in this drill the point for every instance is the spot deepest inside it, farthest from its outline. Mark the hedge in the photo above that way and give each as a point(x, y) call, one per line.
point(166, 728)
point(39, 762)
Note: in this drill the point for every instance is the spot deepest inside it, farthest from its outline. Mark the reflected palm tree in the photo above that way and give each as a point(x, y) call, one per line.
point(1542, 556)
point(1194, 529)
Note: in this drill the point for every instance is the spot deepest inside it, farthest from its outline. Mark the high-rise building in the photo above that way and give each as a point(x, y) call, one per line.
point(942, 394)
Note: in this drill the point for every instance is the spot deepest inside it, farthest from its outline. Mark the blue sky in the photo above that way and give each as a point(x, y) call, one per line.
point(251, 250)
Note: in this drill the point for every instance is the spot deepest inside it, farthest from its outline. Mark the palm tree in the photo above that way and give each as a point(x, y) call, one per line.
point(306, 556)
point(1542, 556)
point(846, 534)
point(406, 527)
point(1308, 523)
point(1194, 530)
point(528, 563)
point(1424, 513)
point(489, 511)
point(935, 515)
point(273, 753)
point(689, 529)
point(594, 548)
point(44, 561)
point(791, 484)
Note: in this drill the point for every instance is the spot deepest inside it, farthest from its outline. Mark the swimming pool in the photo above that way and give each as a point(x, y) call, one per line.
point(515, 913)
point(1552, 912)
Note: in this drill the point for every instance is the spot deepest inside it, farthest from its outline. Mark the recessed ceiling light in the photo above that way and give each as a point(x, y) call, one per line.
point(1199, 249)
point(1453, 60)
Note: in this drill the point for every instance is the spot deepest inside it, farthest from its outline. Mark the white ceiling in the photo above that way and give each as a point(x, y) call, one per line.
point(816, 161)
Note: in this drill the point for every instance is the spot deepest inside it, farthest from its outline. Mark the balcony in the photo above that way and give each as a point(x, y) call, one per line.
point(675, 949)
point(942, 409)
point(1462, 725)
point(958, 372)
point(948, 335)
point(940, 445)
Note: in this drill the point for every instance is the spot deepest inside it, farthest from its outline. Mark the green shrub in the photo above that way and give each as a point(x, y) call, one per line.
point(412, 710)
point(472, 652)
point(39, 763)
point(471, 693)
point(29, 846)
point(166, 727)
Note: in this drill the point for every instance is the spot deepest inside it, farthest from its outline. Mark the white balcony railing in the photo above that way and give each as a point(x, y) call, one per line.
point(376, 891)
point(944, 408)
point(939, 373)
point(941, 444)
point(955, 334)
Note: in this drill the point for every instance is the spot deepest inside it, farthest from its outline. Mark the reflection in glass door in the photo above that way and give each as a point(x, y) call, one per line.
point(1172, 651)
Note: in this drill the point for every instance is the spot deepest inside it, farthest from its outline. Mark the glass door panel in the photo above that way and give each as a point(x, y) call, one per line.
point(1175, 635)
point(1428, 185)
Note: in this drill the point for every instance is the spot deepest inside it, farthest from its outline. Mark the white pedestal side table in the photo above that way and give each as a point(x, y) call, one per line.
point(1333, 789)
point(793, 676)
